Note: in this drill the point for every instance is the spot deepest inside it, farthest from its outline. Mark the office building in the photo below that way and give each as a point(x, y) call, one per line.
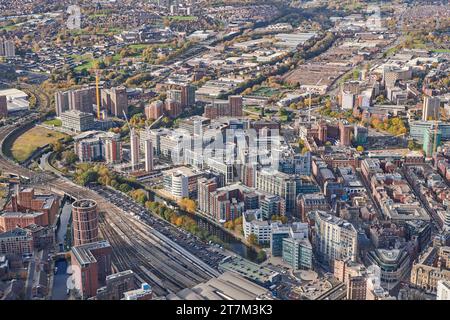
point(17, 241)
point(443, 290)
point(311, 202)
point(77, 121)
point(278, 233)
point(85, 222)
point(432, 266)
point(116, 286)
point(3, 107)
point(417, 129)
point(253, 224)
point(297, 253)
point(26, 202)
point(430, 109)
point(182, 182)
point(345, 132)
point(334, 238)
point(278, 183)
point(230, 202)
point(432, 139)
point(272, 205)
point(134, 150)
point(148, 150)
point(394, 264)
point(91, 264)
point(361, 135)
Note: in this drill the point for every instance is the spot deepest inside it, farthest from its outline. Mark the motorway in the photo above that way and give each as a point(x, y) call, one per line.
point(168, 263)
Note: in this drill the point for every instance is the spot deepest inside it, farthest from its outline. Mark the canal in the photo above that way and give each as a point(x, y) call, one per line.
point(59, 290)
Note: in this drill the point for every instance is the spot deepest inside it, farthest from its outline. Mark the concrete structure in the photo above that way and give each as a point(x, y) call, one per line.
point(77, 121)
point(298, 253)
point(81, 100)
point(278, 233)
point(91, 264)
point(224, 108)
point(85, 222)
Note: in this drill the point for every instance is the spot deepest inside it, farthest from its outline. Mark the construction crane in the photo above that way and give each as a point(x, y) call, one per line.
point(97, 92)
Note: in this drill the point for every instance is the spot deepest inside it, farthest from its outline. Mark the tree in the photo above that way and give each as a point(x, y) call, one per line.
point(188, 205)
point(360, 148)
point(124, 187)
point(253, 239)
point(57, 147)
point(261, 256)
point(70, 157)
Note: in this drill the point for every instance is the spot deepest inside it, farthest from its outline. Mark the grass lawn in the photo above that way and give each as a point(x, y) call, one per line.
point(33, 139)
point(441, 50)
point(87, 65)
point(53, 122)
point(183, 18)
point(265, 92)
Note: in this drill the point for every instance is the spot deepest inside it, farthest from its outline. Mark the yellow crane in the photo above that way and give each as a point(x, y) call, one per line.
point(97, 92)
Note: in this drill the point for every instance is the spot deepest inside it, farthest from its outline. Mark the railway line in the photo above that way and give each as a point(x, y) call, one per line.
point(136, 245)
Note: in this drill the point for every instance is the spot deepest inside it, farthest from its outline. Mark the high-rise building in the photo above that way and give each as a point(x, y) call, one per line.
point(334, 239)
point(430, 109)
point(297, 253)
point(205, 188)
point(16, 242)
point(187, 96)
point(148, 150)
point(113, 150)
point(85, 222)
point(277, 235)
point(7, 48)
point(61, 102)
point(345, 132)
point(81, 100)
point(91, 264)
point(154, 110)
point(3, 107)
point(224, 108)
point(361, 135)
point(281, 184)
point(236, 103)
point(172, 108)
point(119, 101)
point(134, 150)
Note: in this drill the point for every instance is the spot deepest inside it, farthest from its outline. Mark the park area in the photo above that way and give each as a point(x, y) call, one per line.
point(30, 141)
